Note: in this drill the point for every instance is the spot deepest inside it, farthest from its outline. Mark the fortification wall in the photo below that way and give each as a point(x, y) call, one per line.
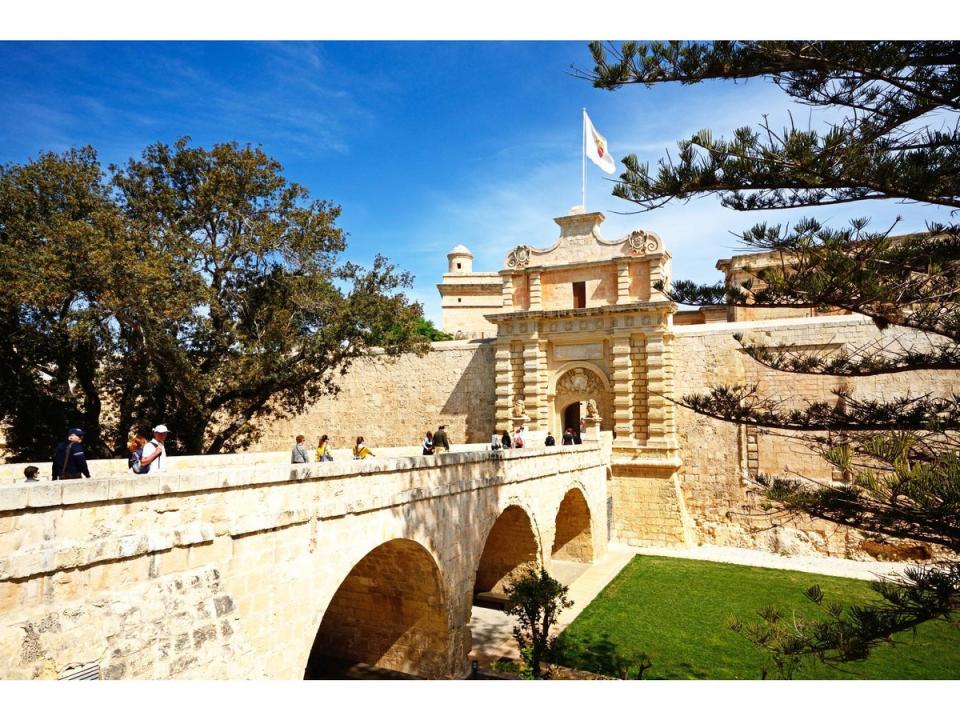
point(720, 458)
point(394, 402)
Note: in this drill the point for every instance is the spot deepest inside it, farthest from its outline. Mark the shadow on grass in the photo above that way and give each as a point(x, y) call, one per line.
point(598, 654)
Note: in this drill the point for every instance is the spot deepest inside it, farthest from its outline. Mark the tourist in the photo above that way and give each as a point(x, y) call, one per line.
point(505, 440)
point(299, 452)
point(69, 461)
point(323, 449)
point(428, 444)
point(550, 441)
point(361, 451)
point(567, 437)
point(135, 460)
point(30, 473)
point(518, 438)
point(440, 442)
point(155, 451)
point(495, 442)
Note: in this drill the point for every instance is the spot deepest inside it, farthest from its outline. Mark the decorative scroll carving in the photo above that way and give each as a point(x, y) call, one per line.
point(579, 382)
point(643, 242)
point(519, 257)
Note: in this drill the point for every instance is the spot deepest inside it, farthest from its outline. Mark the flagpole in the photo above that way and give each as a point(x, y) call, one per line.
point(583, 163)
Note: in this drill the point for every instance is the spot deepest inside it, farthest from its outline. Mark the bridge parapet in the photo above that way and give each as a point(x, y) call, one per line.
point(266, 537)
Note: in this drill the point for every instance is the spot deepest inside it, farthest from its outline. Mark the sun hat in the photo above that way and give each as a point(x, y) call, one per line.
point(160, 429)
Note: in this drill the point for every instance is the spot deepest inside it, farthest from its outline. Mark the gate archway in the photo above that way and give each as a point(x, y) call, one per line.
point(388, 613)
point(510, 544)
point(573, 538)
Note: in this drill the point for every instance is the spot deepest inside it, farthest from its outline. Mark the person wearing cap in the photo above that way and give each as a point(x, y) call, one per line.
point(154, 452)
point(440, 442)
point(69, 461)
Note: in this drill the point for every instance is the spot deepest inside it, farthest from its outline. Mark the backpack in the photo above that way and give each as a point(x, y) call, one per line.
point(519, 442)
point(134, 462)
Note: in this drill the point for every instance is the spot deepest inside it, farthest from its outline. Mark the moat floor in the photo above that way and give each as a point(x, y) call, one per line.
point(491, 628)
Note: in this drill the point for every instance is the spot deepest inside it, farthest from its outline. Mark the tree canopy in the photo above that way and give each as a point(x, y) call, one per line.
point(195, 287)
point(896, 135)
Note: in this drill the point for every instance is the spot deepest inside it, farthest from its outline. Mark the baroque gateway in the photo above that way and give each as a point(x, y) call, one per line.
point(242, 566)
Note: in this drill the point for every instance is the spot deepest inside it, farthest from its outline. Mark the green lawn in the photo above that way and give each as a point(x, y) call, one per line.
point(678, 613)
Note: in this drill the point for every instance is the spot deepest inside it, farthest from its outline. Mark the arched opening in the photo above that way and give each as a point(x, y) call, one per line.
point(387, 617)
point(573, 540)
point(510, 544)
point(571, 419)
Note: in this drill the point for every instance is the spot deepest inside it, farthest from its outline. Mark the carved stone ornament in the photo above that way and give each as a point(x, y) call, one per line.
point(592, 412)
point(519, 409)
point(579, 382)
point(519, 257)
point(642, 243)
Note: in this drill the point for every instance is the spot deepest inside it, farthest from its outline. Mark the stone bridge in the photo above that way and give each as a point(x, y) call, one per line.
point(240, 568)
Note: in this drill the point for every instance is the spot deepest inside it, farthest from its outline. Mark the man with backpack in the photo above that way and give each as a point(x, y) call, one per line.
point(69, 461)
point(154, 452)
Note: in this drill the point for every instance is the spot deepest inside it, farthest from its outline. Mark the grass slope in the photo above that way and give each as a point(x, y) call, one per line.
point(678, 613)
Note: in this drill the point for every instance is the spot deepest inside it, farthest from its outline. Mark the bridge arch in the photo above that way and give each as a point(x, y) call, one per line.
point(389, 612)
point(511, 542)
point(573, 533)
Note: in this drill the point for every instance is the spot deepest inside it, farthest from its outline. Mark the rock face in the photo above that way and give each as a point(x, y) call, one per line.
point(262, 570)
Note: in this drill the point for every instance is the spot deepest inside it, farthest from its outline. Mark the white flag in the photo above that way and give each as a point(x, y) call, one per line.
point(596, 147)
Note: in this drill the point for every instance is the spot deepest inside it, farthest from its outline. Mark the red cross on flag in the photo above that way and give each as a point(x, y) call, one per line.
point(596, 147)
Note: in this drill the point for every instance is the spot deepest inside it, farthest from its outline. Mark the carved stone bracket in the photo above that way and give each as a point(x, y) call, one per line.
point(641, 242)
point(519, 257)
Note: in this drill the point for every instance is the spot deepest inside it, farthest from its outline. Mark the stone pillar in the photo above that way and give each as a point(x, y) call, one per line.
point(622, 391)
point(659, 270)
point(504, 384)
point(507, 292)
point(639, 364)
point(536, 295)
point(531, 383)
point(661, 426)
point(623, 281)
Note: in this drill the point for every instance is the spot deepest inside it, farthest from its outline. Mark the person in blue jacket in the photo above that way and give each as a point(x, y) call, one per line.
point(69, 461)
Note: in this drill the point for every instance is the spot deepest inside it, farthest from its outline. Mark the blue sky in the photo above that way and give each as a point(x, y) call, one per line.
point(424, 145)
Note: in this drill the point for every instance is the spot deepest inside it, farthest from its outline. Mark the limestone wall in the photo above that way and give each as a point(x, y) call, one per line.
point(394, 402)
point(719, 458)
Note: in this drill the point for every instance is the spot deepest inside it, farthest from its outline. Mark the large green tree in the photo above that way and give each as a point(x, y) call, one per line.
point(894, 136)
point(197, 287)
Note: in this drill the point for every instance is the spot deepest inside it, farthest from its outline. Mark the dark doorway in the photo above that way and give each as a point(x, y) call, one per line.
point(579, 294)
point(571, 419)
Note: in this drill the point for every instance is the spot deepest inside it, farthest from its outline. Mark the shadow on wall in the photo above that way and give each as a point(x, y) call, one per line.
point(474, 396)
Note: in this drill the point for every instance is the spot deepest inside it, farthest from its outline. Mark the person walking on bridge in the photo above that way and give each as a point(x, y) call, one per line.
point(155, 451)
point(69, 461)
point(440, 442)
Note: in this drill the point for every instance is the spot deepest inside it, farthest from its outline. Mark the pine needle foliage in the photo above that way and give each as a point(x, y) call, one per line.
point(897, 138)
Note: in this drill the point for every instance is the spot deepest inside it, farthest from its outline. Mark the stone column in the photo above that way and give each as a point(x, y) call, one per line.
point(508, 292)
point(536, 295)
point(659, 270)
point(639, 364)
point(623, 281)
point(661, 427)
point(622, 390)
point(531, 383)
point(504, 384)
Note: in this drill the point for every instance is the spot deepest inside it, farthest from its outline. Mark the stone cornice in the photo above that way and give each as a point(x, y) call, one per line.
point(650, 307)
